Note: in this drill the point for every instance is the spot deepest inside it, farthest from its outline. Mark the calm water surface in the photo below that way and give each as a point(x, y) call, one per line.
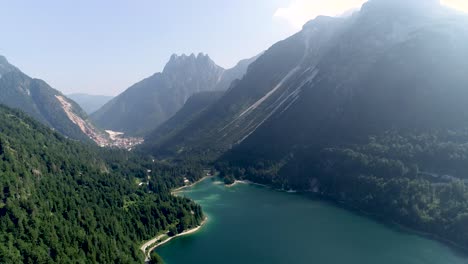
point(251, 225)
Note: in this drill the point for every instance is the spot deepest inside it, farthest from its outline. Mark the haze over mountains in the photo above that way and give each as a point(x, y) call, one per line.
point(147, 104)
point(364, 74)
point(90, 103)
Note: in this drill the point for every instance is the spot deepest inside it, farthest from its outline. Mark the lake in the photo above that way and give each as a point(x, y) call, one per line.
point(251, 224)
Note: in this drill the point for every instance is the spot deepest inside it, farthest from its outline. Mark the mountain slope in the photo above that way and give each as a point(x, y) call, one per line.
point(90, 103)
point(396, 66)
point(147, 104)
point(39, 100)
point(229, 120)
point(337, 72)
point(66, 202)
point(194, 106)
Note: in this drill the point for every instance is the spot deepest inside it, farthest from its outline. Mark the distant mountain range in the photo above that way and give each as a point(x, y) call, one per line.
point(47, 105)
point(90, 103)
point(147, 104)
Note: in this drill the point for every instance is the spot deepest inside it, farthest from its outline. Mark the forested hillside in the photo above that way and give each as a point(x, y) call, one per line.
point(66, 202)
point(418, 180)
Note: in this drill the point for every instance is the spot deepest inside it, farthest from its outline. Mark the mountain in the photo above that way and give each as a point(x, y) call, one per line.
point(367, 69)
point(368, 110)
point(6, 67)
point(194, 107)
point(147, 104)
point(237, 114)
point(63, 201)
point(47, 105)
point(90, 103)
point(234, 73)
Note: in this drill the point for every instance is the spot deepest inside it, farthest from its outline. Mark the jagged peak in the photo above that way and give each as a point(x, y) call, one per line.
point(3, 60)
point(177, 61)
point(5, 66)
point(184, 56)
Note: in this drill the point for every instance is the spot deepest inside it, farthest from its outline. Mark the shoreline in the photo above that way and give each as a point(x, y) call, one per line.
point(191, 185)
point(458, 249)
point(451, 244)
point(151, 245)
point(245, 182)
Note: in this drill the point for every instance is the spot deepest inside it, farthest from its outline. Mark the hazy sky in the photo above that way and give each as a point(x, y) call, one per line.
point(104, 46)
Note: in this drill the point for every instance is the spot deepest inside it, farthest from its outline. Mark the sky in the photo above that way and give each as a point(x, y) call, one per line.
point(105, 46)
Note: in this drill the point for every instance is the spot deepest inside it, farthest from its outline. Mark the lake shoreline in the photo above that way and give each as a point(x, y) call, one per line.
point(156, 244)
point(153, 243)
point(388, 223)
point(381, 219)
point(175, 191)
point(221, 201)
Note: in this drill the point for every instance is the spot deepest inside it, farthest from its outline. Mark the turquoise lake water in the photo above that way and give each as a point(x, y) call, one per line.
point(251, 224)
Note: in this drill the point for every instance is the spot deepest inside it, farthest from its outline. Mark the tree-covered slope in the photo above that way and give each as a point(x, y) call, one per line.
point(65, 202)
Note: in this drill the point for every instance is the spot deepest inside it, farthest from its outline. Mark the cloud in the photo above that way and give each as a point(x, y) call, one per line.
point(461, 5)
point(301, 11)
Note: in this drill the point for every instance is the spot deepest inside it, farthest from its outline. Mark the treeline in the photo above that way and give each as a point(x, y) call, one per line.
point(417, 180)
point(66, 202)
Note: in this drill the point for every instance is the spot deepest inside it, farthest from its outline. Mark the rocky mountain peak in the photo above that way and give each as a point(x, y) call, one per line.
point(5, 66)
point(3, 60)
point(318, 21)
point(183, 62)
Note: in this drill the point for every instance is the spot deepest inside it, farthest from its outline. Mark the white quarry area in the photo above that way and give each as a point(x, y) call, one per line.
point(114, 135)
point(118, 140)
point(108, 139)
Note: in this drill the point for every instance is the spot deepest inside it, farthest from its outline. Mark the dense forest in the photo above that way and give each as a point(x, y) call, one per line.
point(414, 179)
point(62, 201)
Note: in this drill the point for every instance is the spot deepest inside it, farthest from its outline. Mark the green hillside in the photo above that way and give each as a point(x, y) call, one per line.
point(65, 202)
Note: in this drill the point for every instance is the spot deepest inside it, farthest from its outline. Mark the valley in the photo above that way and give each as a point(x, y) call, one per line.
point(342, 141)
